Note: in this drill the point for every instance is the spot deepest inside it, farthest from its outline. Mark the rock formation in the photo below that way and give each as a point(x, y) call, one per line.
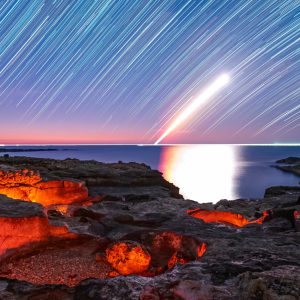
point(29, 186)
point(289, 164)
point(24, 223)
point(225, 217)
point(124, 233)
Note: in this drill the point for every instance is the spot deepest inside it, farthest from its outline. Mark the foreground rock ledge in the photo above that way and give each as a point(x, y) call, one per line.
point(135, 203)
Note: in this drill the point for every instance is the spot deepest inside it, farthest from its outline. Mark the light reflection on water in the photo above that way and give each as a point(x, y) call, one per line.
point(208, 173)
point(203, 172)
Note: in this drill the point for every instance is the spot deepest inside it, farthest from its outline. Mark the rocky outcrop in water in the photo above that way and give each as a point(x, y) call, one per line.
point(137, 216)
point(289, 160)
point(290, 164)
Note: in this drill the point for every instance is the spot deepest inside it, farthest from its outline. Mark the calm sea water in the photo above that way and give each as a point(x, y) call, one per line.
point(205, 173)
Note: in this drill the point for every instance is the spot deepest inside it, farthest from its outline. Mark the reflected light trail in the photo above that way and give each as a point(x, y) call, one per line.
point(204, 173)
point(217, 85)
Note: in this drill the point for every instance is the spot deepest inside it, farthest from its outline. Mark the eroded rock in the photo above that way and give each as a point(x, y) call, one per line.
point(189, 258)
point(29, 186)
point(23, 223)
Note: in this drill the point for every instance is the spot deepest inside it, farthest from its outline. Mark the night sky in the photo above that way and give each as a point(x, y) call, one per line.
point(120, 71)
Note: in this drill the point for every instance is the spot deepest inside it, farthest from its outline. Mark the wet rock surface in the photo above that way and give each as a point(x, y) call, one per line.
point(133, 204)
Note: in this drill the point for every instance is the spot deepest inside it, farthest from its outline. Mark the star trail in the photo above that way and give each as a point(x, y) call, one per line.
point(119, 71)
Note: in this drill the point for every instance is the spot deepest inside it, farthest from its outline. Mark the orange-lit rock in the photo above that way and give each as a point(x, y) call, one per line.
point(22, 223)
point(65, 261)
point(17, 232)
point(28, 186)
point(128, 258)
point(166, 241)
point(169, 248)
point(176, 260)
point(201, 249)
point(18, 177)
point(113, 274)
point(224, 217)
point(63, 209)
point(164, 250)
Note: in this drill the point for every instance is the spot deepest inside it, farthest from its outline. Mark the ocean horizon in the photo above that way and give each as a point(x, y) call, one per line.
point(203, 172)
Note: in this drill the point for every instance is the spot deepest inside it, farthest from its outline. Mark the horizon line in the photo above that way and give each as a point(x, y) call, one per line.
point(151, 144)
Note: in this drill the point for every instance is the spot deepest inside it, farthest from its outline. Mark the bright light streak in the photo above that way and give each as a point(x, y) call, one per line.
point(217, 85)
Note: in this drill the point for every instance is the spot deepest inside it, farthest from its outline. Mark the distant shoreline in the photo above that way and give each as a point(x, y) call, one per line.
point(6, 150)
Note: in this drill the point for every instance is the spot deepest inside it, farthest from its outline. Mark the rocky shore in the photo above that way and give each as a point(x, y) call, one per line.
point(290, 164)
point(73, 229)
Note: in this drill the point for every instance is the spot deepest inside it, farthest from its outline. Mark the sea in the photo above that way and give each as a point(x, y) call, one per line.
point(204, 173)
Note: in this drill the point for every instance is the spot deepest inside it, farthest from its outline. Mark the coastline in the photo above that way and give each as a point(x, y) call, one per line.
point(132, 202)
point(289, 165)
point(13, 150)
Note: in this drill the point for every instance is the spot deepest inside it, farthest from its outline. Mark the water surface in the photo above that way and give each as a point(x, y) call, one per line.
point(205, 173)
